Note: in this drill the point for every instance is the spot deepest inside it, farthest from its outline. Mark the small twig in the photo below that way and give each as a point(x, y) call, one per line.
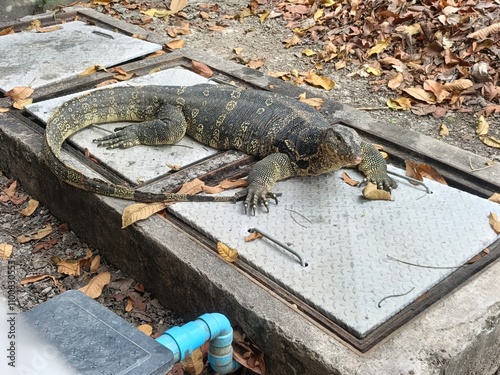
point(477, 169)
point(372, 108)
point(421, 265)
point(394, 296)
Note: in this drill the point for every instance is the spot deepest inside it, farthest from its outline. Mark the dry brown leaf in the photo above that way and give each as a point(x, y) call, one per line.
point(19, 93)
point(94, 288)
point(3, 110)
point(140, 211)
point(201, 69)
point(5, 250)
point(194, 364)
point(256, 63)
point(482, 126)
point(177, 5)
point(313, 102)
point(30, 208)
point(107, 82)
point(176, 44)
point(379, 47)
point(159, 13)
point(371, 192)
point(237, 50)
point(444, 131)
point(490, 141)
point(67, 266)
point(174, 167)
point(20, 104)
point(212, 189)
point(253, 236)
point(91, 70)
point(495, 198)
point(36, 278)
point(484, 32)
point(321, 81)
point(42, 233)
point(292, 41)
point(146, 329)
point(95, 264)
point(129, 305)
point(155, 54)
point(395, 81)
point(420, 94)
point(399, 103)
point(232, 184)
point(7, 31)
point(216, 28)
point(494, 222)
point(47, 29)
point(229, 255)
point(418, 171)
point(192, 187)
point(458, 85)
point(437, 89)
point(348, 180)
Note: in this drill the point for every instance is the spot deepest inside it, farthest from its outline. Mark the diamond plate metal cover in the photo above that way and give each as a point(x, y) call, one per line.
point(347, 242)
point(139, 163)
point(39, 59)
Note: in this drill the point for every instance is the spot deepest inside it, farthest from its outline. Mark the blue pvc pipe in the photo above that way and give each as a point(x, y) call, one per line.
point(214, 327)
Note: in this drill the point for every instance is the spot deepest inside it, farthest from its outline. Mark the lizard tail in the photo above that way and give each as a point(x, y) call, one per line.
point(86, 110)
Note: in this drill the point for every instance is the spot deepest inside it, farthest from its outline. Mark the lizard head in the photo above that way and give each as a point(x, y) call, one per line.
point(342, 144)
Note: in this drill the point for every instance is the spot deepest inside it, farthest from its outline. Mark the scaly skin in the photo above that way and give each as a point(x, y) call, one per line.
point(292, 138)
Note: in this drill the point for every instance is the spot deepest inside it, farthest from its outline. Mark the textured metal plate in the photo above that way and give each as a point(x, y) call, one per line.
point(38, 59)
point(140, 163)
point(89, 338)
point(347, 243)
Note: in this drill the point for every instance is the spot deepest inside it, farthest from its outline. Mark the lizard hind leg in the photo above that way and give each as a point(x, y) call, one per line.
point(161, 131)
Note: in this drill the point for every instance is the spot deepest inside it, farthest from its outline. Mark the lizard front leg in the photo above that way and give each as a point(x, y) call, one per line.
point(374, 167)
point(262, 178)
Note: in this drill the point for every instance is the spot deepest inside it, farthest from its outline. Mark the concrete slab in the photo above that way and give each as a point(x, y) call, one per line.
point(139, 164)
point(64, 53)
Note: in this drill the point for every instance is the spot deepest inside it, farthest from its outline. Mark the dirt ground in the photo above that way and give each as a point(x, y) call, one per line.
point(125, 296)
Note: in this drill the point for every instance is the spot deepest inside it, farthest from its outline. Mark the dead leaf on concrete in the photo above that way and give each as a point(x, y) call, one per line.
point(229, 255)
point(348, 180)
point(495, 198)
point(371, 192)
point(94, 288)
point(201, 69)
point(19, 92)
point(444, 131)
point(494, 222)
point(253, 236)
point(91, 70)
point(140, 211)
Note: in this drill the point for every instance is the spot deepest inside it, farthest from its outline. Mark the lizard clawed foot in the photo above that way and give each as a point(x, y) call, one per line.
point(122, 138)
point(255, 197)
point(383, 182)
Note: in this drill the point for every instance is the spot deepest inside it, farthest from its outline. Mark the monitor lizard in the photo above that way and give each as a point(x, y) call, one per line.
point(291, 138)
